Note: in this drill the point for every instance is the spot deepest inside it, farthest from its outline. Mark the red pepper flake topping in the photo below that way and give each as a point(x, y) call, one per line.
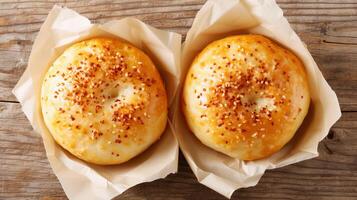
point(235, 94)
point(61, 110)
point(95, 134)
point(89, 80)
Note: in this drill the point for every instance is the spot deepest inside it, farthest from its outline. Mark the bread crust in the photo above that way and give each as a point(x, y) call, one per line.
point(103, 100)
point(245, 96)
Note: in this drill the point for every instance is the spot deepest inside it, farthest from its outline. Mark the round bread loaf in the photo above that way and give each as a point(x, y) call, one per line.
point(245, 96)
point(104, 101)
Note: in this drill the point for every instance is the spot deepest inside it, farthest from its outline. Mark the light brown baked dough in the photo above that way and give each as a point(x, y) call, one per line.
point(245, 96)
point(104, 101)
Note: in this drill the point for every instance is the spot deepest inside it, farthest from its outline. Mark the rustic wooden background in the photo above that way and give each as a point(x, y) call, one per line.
point(327, 27)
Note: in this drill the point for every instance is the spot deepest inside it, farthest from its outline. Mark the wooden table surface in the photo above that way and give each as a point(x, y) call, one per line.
point(328, 28)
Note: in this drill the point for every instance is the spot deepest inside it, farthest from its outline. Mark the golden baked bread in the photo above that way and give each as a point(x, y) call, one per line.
point(104, 101)
point(245, 96)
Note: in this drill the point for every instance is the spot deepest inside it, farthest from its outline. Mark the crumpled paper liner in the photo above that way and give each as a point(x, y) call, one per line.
point(220, 18)
point(81, 180)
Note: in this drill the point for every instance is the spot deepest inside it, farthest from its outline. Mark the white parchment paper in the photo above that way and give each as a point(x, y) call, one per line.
point(80, 180)
point(220, 18)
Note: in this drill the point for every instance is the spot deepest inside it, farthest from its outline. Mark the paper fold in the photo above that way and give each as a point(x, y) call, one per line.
point(220, 18)
point(81, 180)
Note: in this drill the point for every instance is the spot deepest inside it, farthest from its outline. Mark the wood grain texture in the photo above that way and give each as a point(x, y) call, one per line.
point(25, 172)
point(328, 27)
